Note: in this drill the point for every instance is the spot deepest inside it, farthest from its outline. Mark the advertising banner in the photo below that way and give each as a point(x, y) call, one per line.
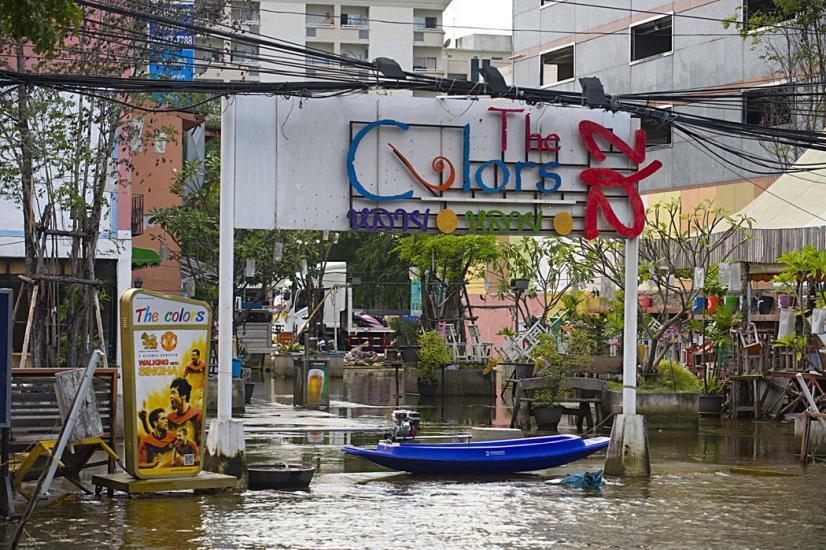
point(165, 355)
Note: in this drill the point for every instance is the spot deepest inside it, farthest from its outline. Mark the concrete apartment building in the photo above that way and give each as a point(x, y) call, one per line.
point(409, 32)
point(555, 43)
point(473, 52)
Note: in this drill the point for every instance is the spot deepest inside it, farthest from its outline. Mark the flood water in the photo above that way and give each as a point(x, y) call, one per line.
point(693, 500)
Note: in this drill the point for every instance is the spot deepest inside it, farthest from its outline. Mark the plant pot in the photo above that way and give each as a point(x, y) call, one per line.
point(732, 303)
point(785, 301)
point(710, 405)
point(410, 354)
point(699, 305)
point(712, 304)
point(547, 416)
point(764, 305)
point(427, 388)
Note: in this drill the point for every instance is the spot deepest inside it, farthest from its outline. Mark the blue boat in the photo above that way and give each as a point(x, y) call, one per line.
point(482, 457)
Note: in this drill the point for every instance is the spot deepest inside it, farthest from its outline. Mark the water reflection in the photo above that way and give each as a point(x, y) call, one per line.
point(692, 501)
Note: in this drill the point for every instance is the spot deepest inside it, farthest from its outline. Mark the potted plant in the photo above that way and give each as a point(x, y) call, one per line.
point(713, 289)
point(433, 354)
point(718, 332)
point(551, 364)
point(547, 406)
point(407, 337)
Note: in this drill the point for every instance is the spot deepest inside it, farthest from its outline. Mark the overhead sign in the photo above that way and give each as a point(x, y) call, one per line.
point(419, 165)
point(165, 353)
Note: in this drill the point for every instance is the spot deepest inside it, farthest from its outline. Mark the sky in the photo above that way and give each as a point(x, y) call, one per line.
point(492, 14)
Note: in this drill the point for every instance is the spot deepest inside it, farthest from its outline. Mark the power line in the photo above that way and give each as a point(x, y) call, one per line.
point(721, 162)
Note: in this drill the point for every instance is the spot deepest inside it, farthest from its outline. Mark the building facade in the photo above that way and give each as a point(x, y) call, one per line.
point(474, 52)
point(632, 50)
point(411, 33)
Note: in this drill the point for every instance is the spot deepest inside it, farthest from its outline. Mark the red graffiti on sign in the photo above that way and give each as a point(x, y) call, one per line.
point(597, 178)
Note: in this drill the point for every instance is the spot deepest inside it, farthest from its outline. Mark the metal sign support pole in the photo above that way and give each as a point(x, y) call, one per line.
point(629, 336)
point(226, 258)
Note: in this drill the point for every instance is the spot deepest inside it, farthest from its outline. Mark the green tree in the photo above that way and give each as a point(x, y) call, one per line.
point(445, 263)
point(550, 266)
point(791, 38)
point(385, 278)
point(673, 244)
point(42, 23)
point(57, 162)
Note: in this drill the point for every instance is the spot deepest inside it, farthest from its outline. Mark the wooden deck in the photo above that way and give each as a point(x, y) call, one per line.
point(127, 484)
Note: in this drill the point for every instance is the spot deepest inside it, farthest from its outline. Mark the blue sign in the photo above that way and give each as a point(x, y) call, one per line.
point(174, 66)
point(173, 56)
point(5, 356)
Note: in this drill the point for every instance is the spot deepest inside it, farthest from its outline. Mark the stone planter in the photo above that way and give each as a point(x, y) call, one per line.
point(710, 405)
point(547, 416)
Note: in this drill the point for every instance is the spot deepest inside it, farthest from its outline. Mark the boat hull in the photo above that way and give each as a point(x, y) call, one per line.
point(482, 458)
point(279, 476)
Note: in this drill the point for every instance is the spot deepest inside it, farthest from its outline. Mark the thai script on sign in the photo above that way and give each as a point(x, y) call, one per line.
point(496, 176)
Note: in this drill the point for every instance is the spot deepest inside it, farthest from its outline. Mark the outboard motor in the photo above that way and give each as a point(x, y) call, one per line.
point(405, 425)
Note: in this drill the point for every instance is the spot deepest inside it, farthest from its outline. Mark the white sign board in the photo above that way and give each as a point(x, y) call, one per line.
point(390, 163)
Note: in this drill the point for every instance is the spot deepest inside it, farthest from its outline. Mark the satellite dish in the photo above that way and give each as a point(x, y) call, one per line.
point(447, 43)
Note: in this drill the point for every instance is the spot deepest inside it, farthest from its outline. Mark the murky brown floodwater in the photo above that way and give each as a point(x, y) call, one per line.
point(692, 501)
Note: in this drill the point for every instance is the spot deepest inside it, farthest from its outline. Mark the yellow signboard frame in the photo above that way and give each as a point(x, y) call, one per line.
point(151, 353)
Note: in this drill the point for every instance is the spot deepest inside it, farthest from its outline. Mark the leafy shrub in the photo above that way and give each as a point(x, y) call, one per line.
point(434, 353)
point(676, 377)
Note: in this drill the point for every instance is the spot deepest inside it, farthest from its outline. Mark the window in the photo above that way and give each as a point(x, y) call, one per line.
point(457, 76)
point(320, 19)
point(244, 53)
point(418, 36)
point(137, 215)
point(767, 107)
point(426, 22)
point(556, 66)
point(657, 131)
point(353, 20)
point(424, 63)
point(756, 13)
point(245, 11)
point(651, 38)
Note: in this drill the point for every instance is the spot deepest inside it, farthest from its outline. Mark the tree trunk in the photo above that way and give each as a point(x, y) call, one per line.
point(36, 346)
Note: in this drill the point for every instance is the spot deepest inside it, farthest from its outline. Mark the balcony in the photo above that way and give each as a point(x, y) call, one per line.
point(320, 15)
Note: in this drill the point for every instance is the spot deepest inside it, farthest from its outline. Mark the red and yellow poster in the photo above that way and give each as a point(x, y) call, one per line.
point(165, 356)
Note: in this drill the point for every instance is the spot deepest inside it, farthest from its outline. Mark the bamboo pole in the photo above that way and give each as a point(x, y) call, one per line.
point(25, 351)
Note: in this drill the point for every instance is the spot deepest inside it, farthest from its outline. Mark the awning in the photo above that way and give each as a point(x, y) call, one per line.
point(796, 199)
point(142, 257)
